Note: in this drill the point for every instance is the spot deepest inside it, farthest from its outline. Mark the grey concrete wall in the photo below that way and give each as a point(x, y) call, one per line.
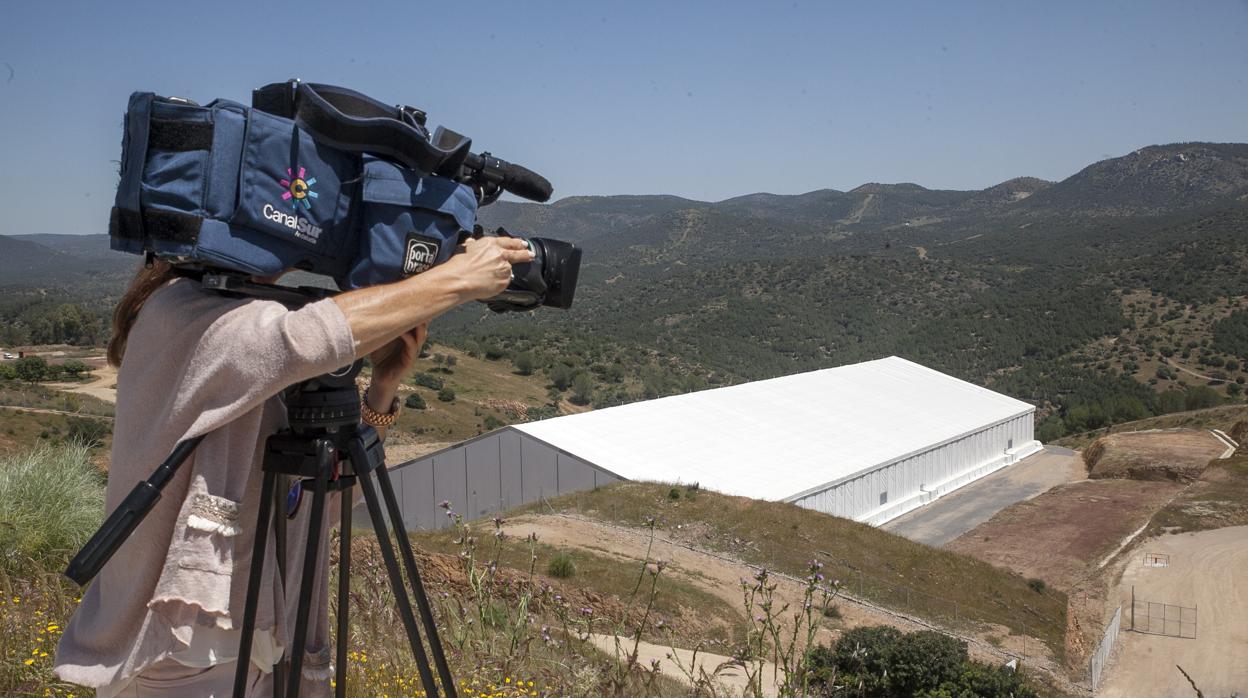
point(483, 476)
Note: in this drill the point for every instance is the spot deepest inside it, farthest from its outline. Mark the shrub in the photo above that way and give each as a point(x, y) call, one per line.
point(88, 432)
point(882, 662)
point(74, 367)
point(582, 389)
point(560, 376)
point(925, 659)
point(1199, 397)
point(821, 663)
point(525, 363)
point(414, 402)
point(428, 380)
point(561, 565)
point(446, 395)
point(1051, 429)
point(673, 493)
point(51, 501)
point(31, 369)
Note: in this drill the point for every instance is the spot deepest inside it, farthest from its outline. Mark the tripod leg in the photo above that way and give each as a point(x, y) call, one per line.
point(263, 520)
point(344, 593)
point(279, 550)
point(396, 585)
point(413, 575)
point(325, 461)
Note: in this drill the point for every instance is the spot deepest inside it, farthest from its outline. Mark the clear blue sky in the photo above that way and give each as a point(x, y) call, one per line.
point(704, 100)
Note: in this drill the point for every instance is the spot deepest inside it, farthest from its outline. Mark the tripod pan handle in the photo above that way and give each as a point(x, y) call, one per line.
point(116, 529)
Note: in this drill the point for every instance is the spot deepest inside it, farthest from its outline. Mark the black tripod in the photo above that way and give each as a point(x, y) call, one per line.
point(327, 446)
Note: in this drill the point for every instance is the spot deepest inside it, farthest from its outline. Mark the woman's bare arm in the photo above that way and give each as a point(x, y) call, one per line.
point(379, 314)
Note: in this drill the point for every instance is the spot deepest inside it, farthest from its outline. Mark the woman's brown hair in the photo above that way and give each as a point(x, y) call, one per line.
point(146, 281)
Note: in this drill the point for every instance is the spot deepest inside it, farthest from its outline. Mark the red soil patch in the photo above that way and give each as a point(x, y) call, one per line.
point(1061, 535)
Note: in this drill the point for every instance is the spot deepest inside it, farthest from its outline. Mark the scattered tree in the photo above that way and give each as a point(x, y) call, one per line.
point(525, 363)
point(582, 389)
point(31, 369)
point(74, 368)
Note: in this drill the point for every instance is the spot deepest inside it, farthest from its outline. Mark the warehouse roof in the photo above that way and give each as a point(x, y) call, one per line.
point(779, 438)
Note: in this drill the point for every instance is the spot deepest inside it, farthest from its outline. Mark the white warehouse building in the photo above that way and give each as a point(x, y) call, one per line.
point(868, 441)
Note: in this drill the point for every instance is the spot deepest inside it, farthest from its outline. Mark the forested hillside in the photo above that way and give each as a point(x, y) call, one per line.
point(1112, 295)
point(1030, 287)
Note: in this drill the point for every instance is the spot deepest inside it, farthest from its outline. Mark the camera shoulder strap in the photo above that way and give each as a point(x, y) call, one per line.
point(357, 123)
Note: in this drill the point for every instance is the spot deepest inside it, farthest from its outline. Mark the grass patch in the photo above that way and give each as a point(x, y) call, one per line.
point(21, 430)
point(18, 394)
point(698, 614)
point(871, 563)
point(51, 500)
point(561, 565)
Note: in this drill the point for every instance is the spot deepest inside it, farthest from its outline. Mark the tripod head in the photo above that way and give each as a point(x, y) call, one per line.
point(328, 403)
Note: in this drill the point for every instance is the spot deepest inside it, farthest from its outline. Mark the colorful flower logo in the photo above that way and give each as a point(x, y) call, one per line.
point(298, 189)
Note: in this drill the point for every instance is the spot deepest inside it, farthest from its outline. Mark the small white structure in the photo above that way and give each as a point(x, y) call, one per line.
point(867, 441)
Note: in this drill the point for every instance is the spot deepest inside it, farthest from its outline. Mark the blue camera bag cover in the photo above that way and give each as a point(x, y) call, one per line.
point(230, 187)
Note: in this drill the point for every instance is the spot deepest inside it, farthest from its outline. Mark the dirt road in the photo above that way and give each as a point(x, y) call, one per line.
point(1209, 572)
point(1190, 372)
point(104, 386)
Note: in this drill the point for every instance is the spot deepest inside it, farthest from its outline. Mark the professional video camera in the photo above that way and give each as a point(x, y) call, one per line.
point(319, 178)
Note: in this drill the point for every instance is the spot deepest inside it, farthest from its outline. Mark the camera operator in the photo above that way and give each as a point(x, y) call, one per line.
point(162, 618)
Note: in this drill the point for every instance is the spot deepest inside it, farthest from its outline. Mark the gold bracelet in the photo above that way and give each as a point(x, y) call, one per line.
point(374, 418)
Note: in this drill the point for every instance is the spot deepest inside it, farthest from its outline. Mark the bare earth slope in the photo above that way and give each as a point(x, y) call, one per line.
point(1170, 454)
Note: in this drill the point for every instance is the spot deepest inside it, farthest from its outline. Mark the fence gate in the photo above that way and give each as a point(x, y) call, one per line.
point(1162, 618)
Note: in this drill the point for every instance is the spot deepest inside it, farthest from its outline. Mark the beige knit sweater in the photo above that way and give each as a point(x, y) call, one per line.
point(199, 363)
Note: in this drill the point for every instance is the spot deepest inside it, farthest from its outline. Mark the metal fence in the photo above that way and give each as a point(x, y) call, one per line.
point(1162, 618)
point(1097, 663)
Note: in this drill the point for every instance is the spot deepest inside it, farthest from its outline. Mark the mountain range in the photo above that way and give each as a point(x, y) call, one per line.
point(1149, 181)
point(1152, 181)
